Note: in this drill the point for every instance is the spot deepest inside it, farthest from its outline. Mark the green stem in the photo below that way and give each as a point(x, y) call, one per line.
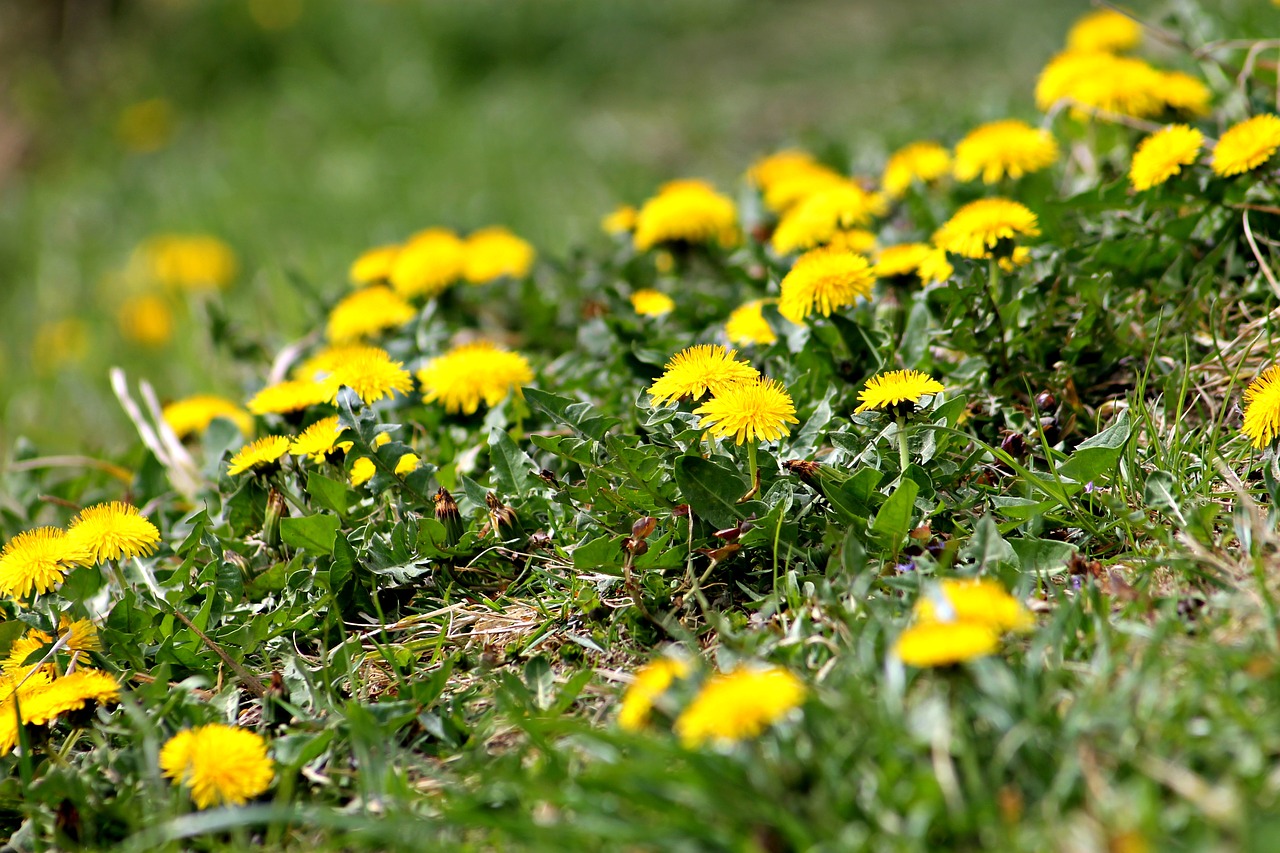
point(993, 291)
point(904, 456)
point(753, 467)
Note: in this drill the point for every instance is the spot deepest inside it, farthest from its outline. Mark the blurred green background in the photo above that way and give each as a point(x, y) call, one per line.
point(304, 131)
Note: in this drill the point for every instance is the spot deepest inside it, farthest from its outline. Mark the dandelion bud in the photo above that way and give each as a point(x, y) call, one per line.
point(275, 510)
point(502, 518)
point(643, 527)
point(448, 515)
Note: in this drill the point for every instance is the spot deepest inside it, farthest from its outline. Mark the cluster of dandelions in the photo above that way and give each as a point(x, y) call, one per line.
point(725, 708)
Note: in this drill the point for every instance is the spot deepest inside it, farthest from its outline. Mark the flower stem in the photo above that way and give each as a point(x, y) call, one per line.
point(993, 292)
point(904, 457)
point(754, 469)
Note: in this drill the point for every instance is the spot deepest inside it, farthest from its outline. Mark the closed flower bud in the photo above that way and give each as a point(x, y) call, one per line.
point(276, 509)
point(448, 515)
point(643, 527)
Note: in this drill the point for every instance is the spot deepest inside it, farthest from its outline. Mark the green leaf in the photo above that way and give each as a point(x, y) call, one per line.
point(1099, 454)
point(1042, 556)
point(1158, 494)
point(710, 489)
point(313, 532)
point(512, 468)
point(328, 493)
point(987, 547)
point(602, 554)
point(893, 521)
point(344, 564)
point(571, 413)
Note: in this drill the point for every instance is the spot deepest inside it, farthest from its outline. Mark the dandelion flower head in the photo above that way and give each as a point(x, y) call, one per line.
point(1104, 31)
point(192, 415)
point(688, 211)
point(1163, 154)
point(111, 531)
point(822, 281)
point(944, 643)
point(1102, 81)
point(373, 265)
point(366, 313)
point(320, 439)
point(694, 371)
point(737, 705)
point(371, 373)
point(1008, 148)
point(1262, 407)
point(362, 471)
point(621, 220)
point(747, 325)
point(146, 319)
point(1183, 93)
point(67, 693)
point(219, 764)
point(473, 373)
point(896, 387)
point(752, 410)
point(790, 176)
point(974, 600)
point(817, 218)
point(292, 395)
point(1247, 145)
point(935, 267)
point(36, 561)
point(494, 252)
point(901, 260)
point(80, 635)
point(652, 303)
point(428, 263)
point(15, 665)
point(259, 456)
point(406, 464)
point(978, 228)
point(189, 261)
point(651, 681)
point(924, 161)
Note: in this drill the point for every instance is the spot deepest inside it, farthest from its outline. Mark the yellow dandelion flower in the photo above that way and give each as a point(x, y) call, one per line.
point(1183, 93)
point(366, 313)
point(146, 319)
point(747, 325)
point(688, 211)
point(1247, 145)
point(494, 252)
point(1009, 148)
point(695, 370)
point(428, 263)
point(975, 600)
point(651, 681)
point(406, 464)
point(1116, 84)
point(919, 161)
point(373, 265)
point(1020, 256)
point(81, 635)
point(188, 262)
point(1104, 31)
point(935, 267)
point(192, 415)
point(1163, 154)
point(798, 184)
point(292, 395)
point(893, 389)
point(219, 764)
point(67, 693)
point(822, 281)
point(111, 531)
point(737, 705)
point(901, 260)
point(24, 687)
point(977, 229)
point(819, 217)
point(320, 440)
point(753, 410)
point(858, 240)
point(622, 220)
point(381, 439)
point(1262, 407)
point(780, 166)
point(15, 665)
point(362, 471)
point(652, 303)
point(945, 643)
point(36, 561)
point(371, 373)
point(261, 455)
point(473, 373)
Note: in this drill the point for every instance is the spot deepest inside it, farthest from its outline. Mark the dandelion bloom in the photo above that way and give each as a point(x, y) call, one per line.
point(976, 229)
point(320, 439)
point(16, 665)
point(1183, 93)
point(262, 455)
point(111, 531)
point(23, 689)
point(494, 252)
point(756, 409)
point(694, 371)
point(621, 220)
point(1163, 154)
point(192, 415)
point(688, 211)
point(892, 389)
point(737, 705)
point(362, 471)
point(1104, 31)
point(406, 464)
point(188, 262)
point(1247, 145)
point(822, 281)
point(651, 681)
point(795, 182)
point(372, 374)
point(747, 325)
point(858, 240)
point(945, 643)
point(36, 561)
point(471, 373)
point(373, 265)
point(221, 765)
point(974, 600)
point(935, 267)
point(652, 303)
point(780, 166)
point(67, 693)
point(324, 361)
point(366, 313)
point(1262, 407)
point(901, 260)
point(919, 161)
point(291, 395)
point(819, 217)
point(428, 263)
point(1009, 148)
point(81, 635)
point(1101, 81)
point(146, 319)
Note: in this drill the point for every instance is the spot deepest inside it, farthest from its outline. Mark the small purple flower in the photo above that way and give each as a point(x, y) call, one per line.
point(908, 566)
